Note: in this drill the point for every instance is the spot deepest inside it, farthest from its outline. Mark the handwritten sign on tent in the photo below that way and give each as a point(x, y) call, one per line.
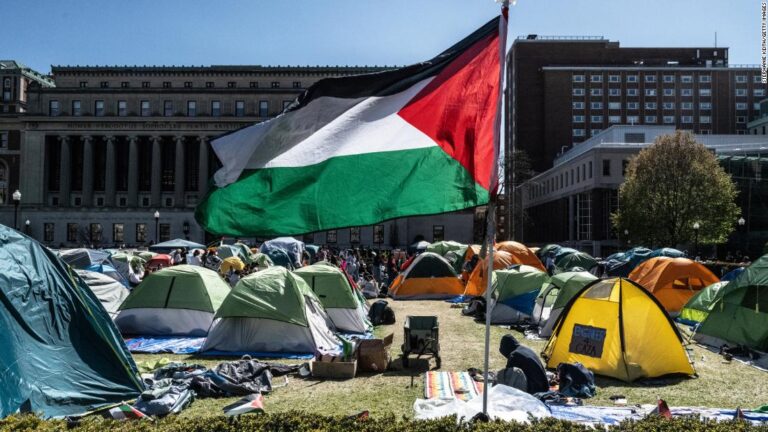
point(587, 340)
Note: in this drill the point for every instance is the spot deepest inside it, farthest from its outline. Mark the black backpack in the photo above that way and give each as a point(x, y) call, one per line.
point(380, 313)
point(576, 380)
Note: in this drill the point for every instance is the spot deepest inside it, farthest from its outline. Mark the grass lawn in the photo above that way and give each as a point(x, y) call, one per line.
point(461, 341)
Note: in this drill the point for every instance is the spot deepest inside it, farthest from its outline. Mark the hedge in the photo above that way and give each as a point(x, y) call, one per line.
point(300, 421)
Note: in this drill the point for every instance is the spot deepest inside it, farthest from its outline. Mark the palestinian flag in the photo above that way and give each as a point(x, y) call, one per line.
point(250, 403)
point(127, 412)
point(358, 150)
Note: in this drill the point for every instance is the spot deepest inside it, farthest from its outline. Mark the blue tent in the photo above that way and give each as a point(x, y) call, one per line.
point(624, 265)
point(733, 274)
point(61, 354)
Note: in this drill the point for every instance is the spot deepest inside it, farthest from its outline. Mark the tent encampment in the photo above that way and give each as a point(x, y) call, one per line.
point(292, 247)
point(514, 293)
point(272, 311)
point(571, 261)
point(83, 258)
point(520, 254)
point(740, 315)
point(616, 328)
point(170, 245)
point(701, 303)
point(554, 295)
point(345, 305)
point(175, 301)
point(429, 276)
point(673, 281)
point(110, 292)
point(478, 279)
point(61, 354)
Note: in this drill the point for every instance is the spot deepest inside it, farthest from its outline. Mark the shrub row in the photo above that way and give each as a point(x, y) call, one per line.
point(299, 421)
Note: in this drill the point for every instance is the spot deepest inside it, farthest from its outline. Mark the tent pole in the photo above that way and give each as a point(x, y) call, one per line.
point(489, 275)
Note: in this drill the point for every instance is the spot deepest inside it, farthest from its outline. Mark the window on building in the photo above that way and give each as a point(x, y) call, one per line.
point(122, 108)
point(705, 78)
point(3, 144)
point(668, 105)
point(614, 105)
point(77, 108)
point(117, 233)
point(705, 119)
point(589, 170)
point(756, 79)
point(705, 92)
point(191, 108)
point(104, 84)
point(686, 79)
point(741, 79)
point(286, 104)
point(124, 84)
point(231, 84)
point(354, 235)
point(187, 84)
point(707, 105)
point(686, 105)
point(758, 92)
point(669, 78)
point(650, 78)
point(166, 84)
point(669, 92)
point(578, 132)
point(578, 92)
point(650, 92)
point(633, 105)
point(253, 84)
point(578, 78)
point(741, 119)
point(606, 167)
point(632, 92)
point(578, 105)
point(330, 236)
point(596, 92)
point(72, 230)
point(83, 84)
point(650, 119)
point(741, 92)
point(596, 78)
point(141, 233)
point(631, 78)
point(378, 234)
point(165, 232)
point(263, 108)
point(145, 109)
point(275, 84)
point(215, 108)
point(53, 108)
point(614, 92)
point(614, 119)
point(633, 119)
point(686, 119)
point(168, 108)
point(239, 108)
point(624, 166)
point(596, 105)
point(578, 119)
point(48, 232)
point(438, 233)
point(98, 108)
point(756, 106)
point(596, 119)
point(209, 84)
point(96, 233)
point(297, 84)
point(650, 105)
point(614, 78)
point(594, 132)
point(145, 84)
point(669, 119)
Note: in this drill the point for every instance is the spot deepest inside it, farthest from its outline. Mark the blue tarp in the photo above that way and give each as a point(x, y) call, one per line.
point(733, 274)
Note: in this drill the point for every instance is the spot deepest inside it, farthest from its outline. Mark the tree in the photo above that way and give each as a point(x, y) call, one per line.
point(671, 185)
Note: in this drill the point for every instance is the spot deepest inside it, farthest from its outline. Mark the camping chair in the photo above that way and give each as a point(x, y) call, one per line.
point(422, 336)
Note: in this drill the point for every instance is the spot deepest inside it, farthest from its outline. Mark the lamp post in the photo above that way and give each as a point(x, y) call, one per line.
point(185, 228)
point(696, 227)
point(741, 223)
point(27, 223)
point(626, 236)
point(157, 227)
point(16, 201)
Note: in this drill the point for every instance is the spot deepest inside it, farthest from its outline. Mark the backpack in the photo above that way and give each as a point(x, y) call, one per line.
point(512, 377)
point(381, 313)
point(576, 380)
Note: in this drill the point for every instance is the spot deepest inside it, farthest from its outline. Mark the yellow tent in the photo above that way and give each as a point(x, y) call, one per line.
point(616, 328)
point(230, 263)
point(429, 276)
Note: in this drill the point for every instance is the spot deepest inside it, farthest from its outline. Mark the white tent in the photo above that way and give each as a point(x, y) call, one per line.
point(110, 292)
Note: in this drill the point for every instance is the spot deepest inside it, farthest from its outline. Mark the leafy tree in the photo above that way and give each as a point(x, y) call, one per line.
point(671, 185)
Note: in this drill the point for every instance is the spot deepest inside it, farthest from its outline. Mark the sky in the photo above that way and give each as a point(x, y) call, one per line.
point(344, 32)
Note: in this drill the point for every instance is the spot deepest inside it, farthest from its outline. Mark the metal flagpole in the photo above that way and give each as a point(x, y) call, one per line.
point(491, 214)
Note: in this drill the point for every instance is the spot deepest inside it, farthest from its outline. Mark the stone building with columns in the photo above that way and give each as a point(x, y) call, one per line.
point(108, 146)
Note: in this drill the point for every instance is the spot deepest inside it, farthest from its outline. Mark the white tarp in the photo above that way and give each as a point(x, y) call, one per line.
point(504, 403)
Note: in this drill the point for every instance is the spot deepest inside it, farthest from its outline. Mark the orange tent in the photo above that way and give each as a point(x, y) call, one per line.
point(673, 281)
point(478, 279)
point(521, 254)
point(472, 250)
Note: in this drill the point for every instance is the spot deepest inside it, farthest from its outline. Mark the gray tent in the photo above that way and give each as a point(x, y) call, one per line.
point(110, 292)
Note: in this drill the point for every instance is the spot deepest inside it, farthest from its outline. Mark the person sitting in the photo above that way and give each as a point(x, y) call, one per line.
point(526, 360)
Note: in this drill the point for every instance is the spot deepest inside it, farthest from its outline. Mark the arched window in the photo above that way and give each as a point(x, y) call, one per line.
point(3, 182)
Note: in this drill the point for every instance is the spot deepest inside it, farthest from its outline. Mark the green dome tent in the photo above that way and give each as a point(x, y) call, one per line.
point(555, 295)
point(740, 316)
point(175, 301)
point(61, 355)
point(443, 247)
point(698, 306)
point(514, 293)
point(272, 311)
point(569, 261)
point(345, 305)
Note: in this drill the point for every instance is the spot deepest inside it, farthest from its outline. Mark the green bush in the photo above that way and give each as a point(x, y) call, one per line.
point(299, 421)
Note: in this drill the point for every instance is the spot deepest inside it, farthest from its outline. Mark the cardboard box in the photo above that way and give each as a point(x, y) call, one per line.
point(373, 354)
point(333, 367)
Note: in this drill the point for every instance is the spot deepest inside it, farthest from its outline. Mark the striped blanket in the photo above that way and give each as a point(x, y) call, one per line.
point(449, 385)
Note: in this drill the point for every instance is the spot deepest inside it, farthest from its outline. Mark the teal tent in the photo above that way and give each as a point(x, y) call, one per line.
point(514, 293)
point(572, 261)
point(61, 355)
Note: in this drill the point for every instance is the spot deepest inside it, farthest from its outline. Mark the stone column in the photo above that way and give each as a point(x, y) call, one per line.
point(202, 175)
point(133, 171)
point(156, 172)
point(178, 172)
point(109, 172)
point(87, 171)
point(65, 175)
